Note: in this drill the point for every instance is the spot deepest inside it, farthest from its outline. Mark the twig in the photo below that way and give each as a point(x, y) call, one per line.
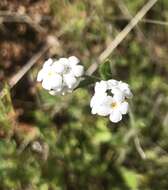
point(145, 20)
point(126, 30)
point(141, 36)
point(16, 78)
point(127, 14)
point(50, 42)
point(120, 37)
point(151, 21)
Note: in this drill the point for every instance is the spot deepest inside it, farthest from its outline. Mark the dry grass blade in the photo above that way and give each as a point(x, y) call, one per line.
point(126, 30)
point(16, 78)
point(141, 36)
point(145, 20)
point(50, 42)
point(120, 37)
point(159, 22)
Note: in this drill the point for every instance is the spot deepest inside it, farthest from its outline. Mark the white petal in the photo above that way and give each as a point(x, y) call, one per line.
point(118, 95)
point(108, 101)
point(94, 110)
point(40, 75)
point(101, 104)
point(58, 67)
point(95, 100)
point(73, 60)
point(64, 61)
point(112, 83)
point(92, 101)
point(99, 99)
point(48, 63)
point(70, 80)
point(55, 81)
point(46, 84)
point(124, 107)
point(124, 87)
point(115, 116)
point(128, 94)
point(101, 87)
point(103, 110)
point(78, 70)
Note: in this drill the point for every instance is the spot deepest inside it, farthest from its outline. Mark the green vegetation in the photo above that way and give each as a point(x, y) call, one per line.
point(54, 143)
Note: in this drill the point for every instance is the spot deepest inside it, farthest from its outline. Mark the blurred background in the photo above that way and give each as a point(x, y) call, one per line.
point(54, 143)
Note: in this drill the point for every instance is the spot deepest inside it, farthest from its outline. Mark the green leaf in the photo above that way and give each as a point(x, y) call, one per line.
point(102, 134)
point(130, 178)
point(87, 81)
point(105, 70)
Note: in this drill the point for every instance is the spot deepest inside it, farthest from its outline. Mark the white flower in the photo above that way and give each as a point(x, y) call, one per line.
point(116, 108)
point(101, 87)
point(124, 87)
point(119, 89)
point(99, 104)
point(74, 60)
point(60, 76)
point(110, 99)
point(58, 67)
point(48, 77)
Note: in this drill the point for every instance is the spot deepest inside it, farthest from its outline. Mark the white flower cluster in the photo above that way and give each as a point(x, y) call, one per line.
point(60, 76)
point(64, 75)
point(110, 99)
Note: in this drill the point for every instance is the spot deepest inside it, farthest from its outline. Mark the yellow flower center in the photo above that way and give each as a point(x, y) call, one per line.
point(50, 73)
point(114, 104)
